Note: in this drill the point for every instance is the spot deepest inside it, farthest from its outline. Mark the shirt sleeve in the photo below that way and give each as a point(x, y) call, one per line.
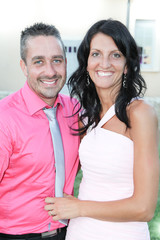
point(5, 151)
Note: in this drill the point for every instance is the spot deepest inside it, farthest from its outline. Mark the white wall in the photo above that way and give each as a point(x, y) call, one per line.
point(71, 17)
point(148, 10)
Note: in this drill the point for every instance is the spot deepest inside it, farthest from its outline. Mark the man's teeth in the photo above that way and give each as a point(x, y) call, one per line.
point(104, 74)
point(49, 82)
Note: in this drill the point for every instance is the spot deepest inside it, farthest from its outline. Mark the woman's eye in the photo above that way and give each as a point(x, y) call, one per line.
point(95, 54)
point(116, 55)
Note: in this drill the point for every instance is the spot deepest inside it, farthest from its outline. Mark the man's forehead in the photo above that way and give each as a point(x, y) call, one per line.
point(43, 39)
point(45, 46)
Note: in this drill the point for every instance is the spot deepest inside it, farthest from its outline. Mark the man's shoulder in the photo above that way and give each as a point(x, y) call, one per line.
point(70, 106)
point(65, 99)
point(9, 102)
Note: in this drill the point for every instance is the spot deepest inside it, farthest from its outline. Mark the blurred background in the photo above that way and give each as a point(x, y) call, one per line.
point(73, 18)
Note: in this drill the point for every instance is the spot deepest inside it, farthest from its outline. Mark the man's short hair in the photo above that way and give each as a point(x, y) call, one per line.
point(38, 29)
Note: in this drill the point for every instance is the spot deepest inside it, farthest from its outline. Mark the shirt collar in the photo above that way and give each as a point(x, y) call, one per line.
point(34, 103)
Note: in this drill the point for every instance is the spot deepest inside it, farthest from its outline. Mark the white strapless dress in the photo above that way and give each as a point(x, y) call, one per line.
point(107, 164)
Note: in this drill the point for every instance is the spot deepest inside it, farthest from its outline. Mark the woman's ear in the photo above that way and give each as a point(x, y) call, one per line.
point(125, 70)
point(87, 68)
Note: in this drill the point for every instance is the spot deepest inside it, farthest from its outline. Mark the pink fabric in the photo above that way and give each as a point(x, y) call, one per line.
point(27, 160)
point(107, 164)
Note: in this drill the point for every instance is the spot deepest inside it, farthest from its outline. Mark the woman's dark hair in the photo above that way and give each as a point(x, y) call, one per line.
point(86, 93)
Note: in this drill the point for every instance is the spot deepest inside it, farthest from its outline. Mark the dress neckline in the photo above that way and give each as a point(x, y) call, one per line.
point(107, 116)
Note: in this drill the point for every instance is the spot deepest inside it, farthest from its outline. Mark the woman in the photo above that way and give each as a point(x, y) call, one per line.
point(119, 147)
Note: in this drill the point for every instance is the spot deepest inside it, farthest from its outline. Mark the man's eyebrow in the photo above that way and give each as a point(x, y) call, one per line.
point(37, 58)
point(58, 56)
point(42, 57)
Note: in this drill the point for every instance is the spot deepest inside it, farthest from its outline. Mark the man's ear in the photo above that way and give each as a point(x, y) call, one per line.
point(23, 67)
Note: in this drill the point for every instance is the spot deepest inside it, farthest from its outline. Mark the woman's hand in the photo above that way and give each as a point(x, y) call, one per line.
point(62, 208)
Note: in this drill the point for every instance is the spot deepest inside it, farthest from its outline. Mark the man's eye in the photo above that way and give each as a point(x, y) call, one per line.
point(57, 60)
point(38, 62)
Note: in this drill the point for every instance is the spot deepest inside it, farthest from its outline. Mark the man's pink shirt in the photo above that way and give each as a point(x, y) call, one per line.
point(27, 162)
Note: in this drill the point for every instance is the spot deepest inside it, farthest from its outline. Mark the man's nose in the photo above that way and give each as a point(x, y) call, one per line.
point(50, 70)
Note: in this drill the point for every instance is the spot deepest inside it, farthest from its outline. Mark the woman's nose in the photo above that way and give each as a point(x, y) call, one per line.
point(105, 62)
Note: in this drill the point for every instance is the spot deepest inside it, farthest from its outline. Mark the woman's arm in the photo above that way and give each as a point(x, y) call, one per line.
point(141, 205)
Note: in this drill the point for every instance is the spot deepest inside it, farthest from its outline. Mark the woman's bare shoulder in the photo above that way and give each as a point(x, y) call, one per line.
point(143, 119)
point(140, 109)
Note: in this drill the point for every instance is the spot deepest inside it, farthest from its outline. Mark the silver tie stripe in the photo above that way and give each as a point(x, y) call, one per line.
point(58, 153)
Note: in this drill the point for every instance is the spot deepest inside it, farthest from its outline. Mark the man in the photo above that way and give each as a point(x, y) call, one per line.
point(27, 159)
